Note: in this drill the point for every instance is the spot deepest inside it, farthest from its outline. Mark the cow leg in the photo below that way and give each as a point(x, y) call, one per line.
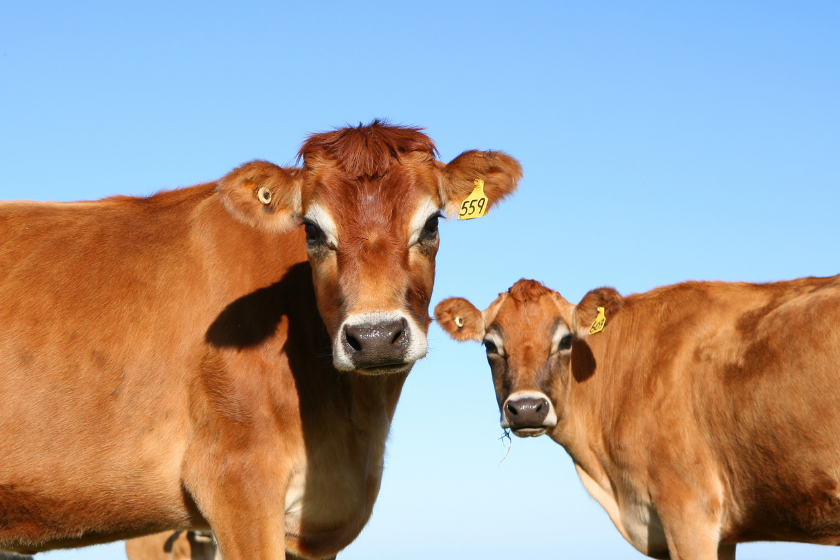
point(243, 500)
point(726, 552)
point(697, 546)
point(693, 532)
point(263, 541)
point(249, 529)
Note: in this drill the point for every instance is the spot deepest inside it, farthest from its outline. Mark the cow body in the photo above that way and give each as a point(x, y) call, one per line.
point(703, 415)
point(187, 360)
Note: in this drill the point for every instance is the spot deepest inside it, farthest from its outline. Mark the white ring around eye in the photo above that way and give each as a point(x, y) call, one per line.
point(264, 194)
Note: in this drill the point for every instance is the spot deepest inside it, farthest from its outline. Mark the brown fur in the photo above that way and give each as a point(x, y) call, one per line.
point(705, 414)
point(527, 290)
point(460, 310)
point(366, 152)
point(167, 361)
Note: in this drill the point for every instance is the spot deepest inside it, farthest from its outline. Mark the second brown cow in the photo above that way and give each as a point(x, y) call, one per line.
point(699, 415)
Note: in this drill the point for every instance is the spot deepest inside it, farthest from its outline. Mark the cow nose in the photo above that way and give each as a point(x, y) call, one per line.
point(377, 344)
point(526, 412)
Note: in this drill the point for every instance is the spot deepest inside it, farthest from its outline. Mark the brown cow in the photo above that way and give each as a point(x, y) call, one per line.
point(173, 545)
point(703, 415)
point(193, 359)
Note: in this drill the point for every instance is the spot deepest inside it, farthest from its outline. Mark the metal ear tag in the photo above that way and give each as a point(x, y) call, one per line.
point(459, 321)
point(264, 195)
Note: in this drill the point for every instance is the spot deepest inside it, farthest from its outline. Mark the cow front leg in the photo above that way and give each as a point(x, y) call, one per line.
point(692, 535)
point(249, 533)
point(248, 521)
point(692, 525)
point(244, 503)
point(726, 552)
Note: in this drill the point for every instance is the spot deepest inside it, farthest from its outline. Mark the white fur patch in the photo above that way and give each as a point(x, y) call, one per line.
point(318, 215)
point(560, 333)
point(419, 219)
point(496, 339)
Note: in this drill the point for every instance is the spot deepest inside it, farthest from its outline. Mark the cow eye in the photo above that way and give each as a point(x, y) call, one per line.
point(490, 346)
point(314, 235)
point(565, 342)
point(430, 230)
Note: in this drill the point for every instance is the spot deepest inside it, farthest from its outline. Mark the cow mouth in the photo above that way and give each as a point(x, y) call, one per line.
point(530, 432)
point(386, 369)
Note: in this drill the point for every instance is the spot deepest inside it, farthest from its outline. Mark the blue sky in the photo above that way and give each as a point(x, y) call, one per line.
point(660, 141)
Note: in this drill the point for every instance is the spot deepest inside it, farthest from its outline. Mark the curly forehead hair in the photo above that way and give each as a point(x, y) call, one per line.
point(366, 150)
point(527, 290)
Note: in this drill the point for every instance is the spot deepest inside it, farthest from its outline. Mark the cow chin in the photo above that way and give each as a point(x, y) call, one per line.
point(378, 343)
point(385, 370)
point(530, 432)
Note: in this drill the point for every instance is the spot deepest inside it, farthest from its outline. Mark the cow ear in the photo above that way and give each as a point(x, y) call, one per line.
point(499, 171)
point(460, 319)
point(587, 315)
point(262, 195)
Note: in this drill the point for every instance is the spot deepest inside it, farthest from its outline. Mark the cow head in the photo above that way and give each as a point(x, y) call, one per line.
point(533, 337)
point(369, 199)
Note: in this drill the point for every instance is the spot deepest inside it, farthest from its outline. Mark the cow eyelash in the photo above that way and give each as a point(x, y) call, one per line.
point(430, 228)
point(491, 348)
point(314, 235)
point(565, 342)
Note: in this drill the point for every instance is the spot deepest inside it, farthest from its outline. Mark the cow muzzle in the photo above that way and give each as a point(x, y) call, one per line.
point(528, 414)
point(378, 343)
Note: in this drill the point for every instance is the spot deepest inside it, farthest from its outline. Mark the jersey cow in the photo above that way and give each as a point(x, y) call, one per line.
point(698, 415)
point(195, 360)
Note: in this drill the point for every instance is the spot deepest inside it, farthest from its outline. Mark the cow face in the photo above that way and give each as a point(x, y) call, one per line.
point(369, 200)
point(531, 334)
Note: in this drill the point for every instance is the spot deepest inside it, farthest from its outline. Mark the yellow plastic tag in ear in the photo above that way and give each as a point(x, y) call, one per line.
point(475, 205)
point(599, 323)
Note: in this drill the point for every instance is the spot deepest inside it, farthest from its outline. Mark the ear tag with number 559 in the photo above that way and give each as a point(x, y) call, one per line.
point(475, 205)
point(599, 323)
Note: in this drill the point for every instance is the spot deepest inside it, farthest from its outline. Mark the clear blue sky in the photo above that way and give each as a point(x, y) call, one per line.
point(660, 141)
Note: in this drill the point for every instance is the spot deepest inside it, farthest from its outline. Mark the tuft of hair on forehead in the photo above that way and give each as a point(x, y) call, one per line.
point(366, 150)
point(527, 290)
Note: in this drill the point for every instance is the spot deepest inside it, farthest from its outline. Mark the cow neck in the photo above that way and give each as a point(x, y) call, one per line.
point(594, 384)
point(274, 288)
point(374, 396)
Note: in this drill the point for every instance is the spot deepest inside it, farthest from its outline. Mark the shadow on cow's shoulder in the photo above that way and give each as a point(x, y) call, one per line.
point(253, 318)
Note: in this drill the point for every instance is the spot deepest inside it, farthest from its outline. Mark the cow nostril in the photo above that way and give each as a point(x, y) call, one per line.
point(540, 406)
point(512, 409)
point(397, 336)
point(354, 344)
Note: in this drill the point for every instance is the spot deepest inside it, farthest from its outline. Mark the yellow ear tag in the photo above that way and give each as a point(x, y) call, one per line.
point(475, 205)
point(599, 323)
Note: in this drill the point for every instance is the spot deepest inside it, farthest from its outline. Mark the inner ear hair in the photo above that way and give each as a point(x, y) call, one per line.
point(492, 310)
point(587, 310)
point(262, 195)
